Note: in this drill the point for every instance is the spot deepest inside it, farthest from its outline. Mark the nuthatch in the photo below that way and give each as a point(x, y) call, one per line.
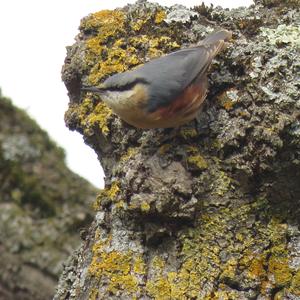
point(165, 92)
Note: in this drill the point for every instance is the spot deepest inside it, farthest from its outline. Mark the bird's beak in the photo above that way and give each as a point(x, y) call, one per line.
point(93, 89)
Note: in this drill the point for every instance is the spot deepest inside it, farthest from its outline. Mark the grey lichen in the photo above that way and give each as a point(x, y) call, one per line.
point(179, 13)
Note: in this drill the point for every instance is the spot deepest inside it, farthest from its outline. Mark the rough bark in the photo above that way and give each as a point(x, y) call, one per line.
point(210, 211)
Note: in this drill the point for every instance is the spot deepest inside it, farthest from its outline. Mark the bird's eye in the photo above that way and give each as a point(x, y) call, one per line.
point(125, 87)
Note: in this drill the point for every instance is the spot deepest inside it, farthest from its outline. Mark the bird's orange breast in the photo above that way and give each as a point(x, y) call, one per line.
point(182, 109)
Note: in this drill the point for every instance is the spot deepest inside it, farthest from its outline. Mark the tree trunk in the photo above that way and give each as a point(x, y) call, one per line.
point(210, 210)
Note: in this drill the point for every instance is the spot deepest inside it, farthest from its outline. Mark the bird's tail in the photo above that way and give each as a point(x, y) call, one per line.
point(222, 35)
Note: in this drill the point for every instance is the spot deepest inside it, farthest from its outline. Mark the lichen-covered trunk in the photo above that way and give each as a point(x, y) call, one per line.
point(211, 210)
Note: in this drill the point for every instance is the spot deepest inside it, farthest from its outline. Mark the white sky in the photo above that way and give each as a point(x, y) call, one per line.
point(33, 35)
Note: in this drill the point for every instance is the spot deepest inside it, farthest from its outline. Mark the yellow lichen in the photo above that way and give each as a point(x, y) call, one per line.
point(223, 295)
point(228, 98)
point(94, 294)
point(198, 161)
point(118, 269)
point(138, 24)
point(108, 25)
point(105, 22)
point(115, 62)
point(90, 117)
point(200, 255)
point(188, 133)
point(115, 266)
point(159, 16)
point(100, 117)
point(145, 207)
point(131, 151)
point(222, 184)
point(121, 204)
point(113, 191)
point(139, 266)
point(108, 53)
point(105, 52)
point(158, 263)
point(164, 149)
point(295, 285)
point(256, 267)
point(163, 42)
point(278, 266)
point(192, 149)
point(107, 193)
point(216, 144)
point(159, 288)
point(229, 269)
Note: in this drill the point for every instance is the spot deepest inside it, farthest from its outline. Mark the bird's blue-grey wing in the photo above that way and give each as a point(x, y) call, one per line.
point(171, 74)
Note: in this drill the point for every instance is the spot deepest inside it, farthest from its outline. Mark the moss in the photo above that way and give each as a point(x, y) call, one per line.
point(46, 201)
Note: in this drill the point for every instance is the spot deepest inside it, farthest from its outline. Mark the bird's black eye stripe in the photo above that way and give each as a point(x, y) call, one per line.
point(126, 87)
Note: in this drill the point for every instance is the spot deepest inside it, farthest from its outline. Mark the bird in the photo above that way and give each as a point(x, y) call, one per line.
point(165, 92)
